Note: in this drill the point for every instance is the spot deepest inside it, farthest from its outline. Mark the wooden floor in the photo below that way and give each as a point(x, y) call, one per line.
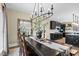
point(14, 51)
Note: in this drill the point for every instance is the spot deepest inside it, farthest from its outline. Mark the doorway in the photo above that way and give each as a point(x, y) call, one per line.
point(24, 26)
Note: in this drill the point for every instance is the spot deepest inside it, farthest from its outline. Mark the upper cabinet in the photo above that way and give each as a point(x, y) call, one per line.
point(54, 24)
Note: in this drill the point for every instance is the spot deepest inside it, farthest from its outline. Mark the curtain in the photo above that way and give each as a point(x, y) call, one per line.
point(3, 30)
point(5, 39)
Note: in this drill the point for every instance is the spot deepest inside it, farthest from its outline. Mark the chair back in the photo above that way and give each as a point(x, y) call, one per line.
point(22, 44)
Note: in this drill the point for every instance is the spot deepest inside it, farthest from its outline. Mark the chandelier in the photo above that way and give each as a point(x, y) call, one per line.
point(39, 11)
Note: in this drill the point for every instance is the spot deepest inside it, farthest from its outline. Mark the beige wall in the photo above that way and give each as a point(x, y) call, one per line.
point(12, 17)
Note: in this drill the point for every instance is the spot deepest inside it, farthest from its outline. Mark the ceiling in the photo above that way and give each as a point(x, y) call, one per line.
point(62, 11)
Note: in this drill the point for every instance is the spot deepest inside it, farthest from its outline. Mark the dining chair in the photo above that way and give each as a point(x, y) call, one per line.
point(22, 44)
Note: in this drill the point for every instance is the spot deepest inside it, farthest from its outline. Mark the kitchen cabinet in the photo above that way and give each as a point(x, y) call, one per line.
point(55, 36)
point(72, 39)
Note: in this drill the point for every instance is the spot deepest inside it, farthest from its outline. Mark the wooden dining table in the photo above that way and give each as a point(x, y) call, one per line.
point(46, 48)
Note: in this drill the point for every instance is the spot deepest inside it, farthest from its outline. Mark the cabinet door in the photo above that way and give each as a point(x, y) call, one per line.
point(52, 24)
point(74, 40)
point(58, 24)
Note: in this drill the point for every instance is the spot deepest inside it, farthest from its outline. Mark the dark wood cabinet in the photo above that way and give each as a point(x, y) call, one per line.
point(52, 24)
point(55, 36)
point(61, 29)
point(72, 39)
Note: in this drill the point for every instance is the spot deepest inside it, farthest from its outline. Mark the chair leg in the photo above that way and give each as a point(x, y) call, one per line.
point(20, 52)
point(25, 52)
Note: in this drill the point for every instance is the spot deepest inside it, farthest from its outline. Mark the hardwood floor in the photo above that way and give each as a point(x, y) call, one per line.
point(14, 51)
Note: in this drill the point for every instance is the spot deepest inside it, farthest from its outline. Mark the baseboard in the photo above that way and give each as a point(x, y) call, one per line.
point(13, 45)
point(1, 54)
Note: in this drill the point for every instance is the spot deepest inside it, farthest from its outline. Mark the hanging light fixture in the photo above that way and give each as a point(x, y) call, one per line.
point(40, 11)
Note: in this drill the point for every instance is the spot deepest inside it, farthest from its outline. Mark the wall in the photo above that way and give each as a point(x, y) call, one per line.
point(12, 17)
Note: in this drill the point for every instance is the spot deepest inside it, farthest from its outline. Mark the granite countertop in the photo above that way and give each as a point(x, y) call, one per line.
point(73, 33)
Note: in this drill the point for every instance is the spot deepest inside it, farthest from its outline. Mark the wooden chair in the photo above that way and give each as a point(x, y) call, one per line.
point(25, 49)
point(23, 45)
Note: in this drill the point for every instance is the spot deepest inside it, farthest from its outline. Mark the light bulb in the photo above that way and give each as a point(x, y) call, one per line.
point(41, 9)
point(49, 11)
point(35, 13)
point(51, 7)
